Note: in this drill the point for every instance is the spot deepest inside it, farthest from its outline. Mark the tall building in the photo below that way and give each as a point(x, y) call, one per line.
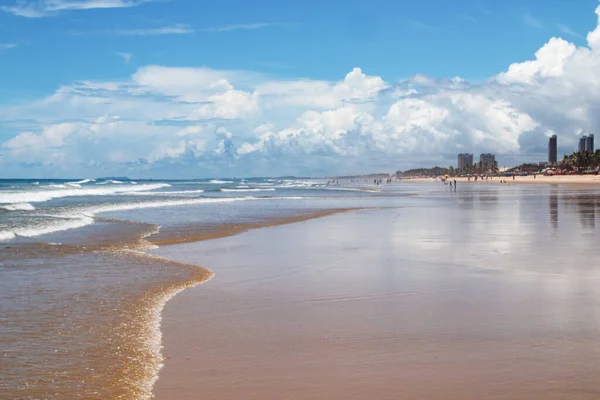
point(582, 142)
point(465, 160)
point(552, 153)
point(589, 143)
point(487, 160)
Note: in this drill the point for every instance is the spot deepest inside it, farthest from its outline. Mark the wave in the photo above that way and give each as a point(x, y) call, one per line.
point(83, 216)
point(174, 192)
point(64, 225)
point(18, 207)
point(80, 217)
point(81, 182)
point(219, 182)
point(248, 190)
point(6, 235)
point(57, 191)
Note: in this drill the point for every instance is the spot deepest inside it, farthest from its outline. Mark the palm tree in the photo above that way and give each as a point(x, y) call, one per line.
point(495, 168)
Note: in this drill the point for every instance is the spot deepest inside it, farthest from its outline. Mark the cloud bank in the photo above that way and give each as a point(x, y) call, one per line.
point(196, 122)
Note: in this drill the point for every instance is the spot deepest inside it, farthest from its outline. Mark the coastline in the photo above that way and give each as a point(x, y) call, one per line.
point(158, 297)
point(539, 179)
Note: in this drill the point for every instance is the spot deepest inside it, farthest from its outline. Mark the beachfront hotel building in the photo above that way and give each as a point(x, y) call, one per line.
point(589, 143)
point(552, 150)
point(581, 147)
point(465, 160)
point(586, 143)
point(487, 160)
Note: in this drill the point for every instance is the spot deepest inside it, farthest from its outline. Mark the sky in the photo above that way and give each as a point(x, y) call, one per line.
point(192, 89)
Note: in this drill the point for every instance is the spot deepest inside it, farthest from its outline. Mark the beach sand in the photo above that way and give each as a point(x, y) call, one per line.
point(530, 179)
point(482, 298)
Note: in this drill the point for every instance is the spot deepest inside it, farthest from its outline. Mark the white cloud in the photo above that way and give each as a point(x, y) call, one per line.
point(7, 46)
point(247, 26)
point(177, 29)
point(567, 30)
point(45, 8)
point(550, 61)
point(532, 21)
point(219, 122)
point(125, 56)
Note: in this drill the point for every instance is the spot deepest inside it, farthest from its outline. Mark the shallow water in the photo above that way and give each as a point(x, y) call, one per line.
point(80, 301)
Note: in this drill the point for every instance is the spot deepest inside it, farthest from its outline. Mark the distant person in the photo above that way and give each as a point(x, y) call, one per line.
point(513, 177)
point(455, 183)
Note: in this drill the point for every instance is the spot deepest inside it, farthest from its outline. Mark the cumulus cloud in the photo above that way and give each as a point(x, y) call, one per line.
point(198, 121)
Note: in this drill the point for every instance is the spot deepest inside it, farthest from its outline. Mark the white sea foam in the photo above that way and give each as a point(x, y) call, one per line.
point(81, 182)
point(56, 191)
point(18, 206)
point(80, 217)
point(161, 203)
point(61, 224)
point(249, 190)
point(6, 235)
point(168, 193)
point(219, 182)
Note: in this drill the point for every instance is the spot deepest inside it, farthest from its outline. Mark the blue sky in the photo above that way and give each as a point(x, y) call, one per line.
point(293, 87)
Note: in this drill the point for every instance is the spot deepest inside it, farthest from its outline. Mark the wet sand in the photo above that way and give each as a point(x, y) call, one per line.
point(80, 316)
point(490, 296)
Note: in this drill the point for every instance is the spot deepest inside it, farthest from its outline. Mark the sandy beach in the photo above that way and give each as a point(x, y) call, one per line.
point(485, 296)
point(530, 179)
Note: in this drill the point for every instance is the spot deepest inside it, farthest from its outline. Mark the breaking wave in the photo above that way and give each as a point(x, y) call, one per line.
point(57, 191)
point(18, 207)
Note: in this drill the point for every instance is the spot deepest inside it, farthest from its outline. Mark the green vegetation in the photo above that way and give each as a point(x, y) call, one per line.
point(581, 161)
point(477, 168)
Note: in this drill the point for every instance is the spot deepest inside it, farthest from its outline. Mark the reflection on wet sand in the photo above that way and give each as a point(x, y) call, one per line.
point(585, 205)
point(553, 207)
point(449, 302)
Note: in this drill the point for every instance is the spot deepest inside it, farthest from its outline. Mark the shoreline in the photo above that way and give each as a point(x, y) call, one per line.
point(160, 297)
point(539, 179)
